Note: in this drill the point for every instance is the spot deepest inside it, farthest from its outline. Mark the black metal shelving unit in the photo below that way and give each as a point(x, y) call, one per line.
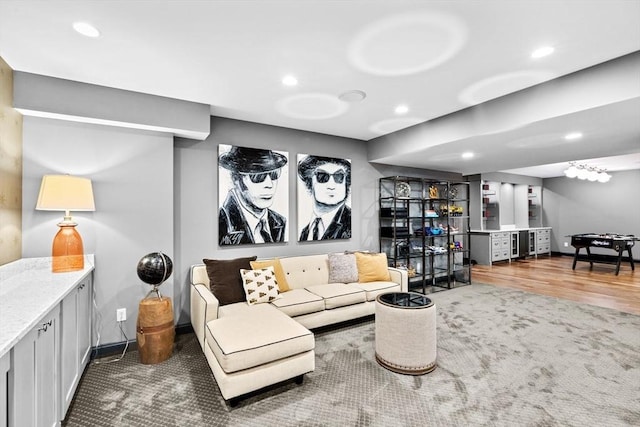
point(424, 228)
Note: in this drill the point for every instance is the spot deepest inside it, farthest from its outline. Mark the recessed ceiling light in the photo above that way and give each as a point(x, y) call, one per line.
point(289, 80)
point(402, 109)
point(542, 51)
point(467, 155)
point(86, 29)
point(352, 96)
point(572, 136)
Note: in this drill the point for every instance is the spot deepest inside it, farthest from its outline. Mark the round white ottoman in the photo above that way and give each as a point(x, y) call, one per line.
point(406, 332)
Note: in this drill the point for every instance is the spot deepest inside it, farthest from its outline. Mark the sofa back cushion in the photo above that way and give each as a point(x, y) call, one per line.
point(306, 270)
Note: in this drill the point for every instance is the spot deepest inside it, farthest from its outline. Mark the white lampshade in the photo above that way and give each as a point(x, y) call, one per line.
point(65, 193)
point(592, 175)
point(603, 177)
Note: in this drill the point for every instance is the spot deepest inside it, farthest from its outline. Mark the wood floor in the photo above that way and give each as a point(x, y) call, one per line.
point(553, 276)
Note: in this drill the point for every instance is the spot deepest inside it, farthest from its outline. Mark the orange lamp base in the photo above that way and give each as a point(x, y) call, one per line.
point(68, 252)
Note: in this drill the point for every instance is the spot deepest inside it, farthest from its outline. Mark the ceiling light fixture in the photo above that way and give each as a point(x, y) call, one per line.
point(542, 52)
point(590, 173)
point(86, 29)
point(573, 135)
point(289, 80)
point(352, 96)
point(402, 109)
point(467, 155)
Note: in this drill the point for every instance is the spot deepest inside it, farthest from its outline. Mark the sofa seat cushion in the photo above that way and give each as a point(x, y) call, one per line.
point(297, 302)
point(338, 294)
point(373, 289)
point(235, 309)
point(262, 335)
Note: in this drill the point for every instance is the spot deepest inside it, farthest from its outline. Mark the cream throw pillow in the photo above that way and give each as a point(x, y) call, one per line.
point(260, 285)
point(277, 268)
point(372, 267)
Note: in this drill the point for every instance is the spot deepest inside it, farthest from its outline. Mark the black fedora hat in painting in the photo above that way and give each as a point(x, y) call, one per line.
point(251, 160)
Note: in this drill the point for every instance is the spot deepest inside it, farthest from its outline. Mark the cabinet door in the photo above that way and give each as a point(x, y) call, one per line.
point(85, 295)
point(5, 365)
point(68, 349)
point(33, 399)
point(515, 245)
point(75, 341)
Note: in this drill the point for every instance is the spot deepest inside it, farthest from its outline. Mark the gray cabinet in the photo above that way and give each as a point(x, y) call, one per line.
point(44, 353)
point(32, 379)
point(488, 247)
point(500, 246)
point(543, 241)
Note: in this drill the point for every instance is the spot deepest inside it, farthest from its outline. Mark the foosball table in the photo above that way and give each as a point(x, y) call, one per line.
point(617, 242)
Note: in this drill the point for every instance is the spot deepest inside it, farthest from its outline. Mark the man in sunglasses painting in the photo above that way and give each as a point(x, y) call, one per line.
point(245, 216)
point(328, 181)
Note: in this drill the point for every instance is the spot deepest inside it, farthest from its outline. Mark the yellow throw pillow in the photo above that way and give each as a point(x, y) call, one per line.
point(277, 268)
point(372, 267)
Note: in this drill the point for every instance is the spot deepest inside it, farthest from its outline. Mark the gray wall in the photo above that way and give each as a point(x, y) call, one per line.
point(573, 206)
point(151, 197)
point(196, 195)
point(132, 175)
point(154, 194)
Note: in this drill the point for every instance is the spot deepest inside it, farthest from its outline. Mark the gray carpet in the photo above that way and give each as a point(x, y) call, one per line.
point(505, 358)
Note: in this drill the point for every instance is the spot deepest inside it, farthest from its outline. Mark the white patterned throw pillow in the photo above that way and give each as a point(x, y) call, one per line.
point(260, 285)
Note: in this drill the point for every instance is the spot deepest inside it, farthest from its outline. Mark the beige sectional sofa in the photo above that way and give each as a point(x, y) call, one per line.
point(252, 346)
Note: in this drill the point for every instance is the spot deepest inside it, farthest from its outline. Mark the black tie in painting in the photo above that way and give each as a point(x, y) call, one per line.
point(264, 233)
point(316, 231)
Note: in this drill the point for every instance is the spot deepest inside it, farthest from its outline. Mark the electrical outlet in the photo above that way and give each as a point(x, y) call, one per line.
point(566, 244)
point(121, 314)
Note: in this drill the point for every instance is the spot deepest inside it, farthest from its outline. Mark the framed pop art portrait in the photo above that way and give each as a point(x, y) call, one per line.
point(324, 198)
point(253, 195)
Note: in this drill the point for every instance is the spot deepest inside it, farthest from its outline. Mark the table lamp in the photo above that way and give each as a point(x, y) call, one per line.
point(66, 193)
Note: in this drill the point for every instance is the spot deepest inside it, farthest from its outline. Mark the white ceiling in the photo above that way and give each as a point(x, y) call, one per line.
point(437, 57)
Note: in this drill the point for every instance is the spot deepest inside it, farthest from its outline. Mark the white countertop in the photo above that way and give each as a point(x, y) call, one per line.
point(28, 291)
point(507, 230)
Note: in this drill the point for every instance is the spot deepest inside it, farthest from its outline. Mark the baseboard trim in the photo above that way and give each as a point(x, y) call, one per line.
point(114, 349)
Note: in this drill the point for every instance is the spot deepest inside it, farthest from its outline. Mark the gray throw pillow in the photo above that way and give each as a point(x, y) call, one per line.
point(343, 268)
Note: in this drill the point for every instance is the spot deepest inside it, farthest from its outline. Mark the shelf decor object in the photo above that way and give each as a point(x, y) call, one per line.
point(66, 193)
point(403, 189)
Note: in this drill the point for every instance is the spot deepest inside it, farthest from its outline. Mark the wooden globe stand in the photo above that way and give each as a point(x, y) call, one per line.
point(155, 331)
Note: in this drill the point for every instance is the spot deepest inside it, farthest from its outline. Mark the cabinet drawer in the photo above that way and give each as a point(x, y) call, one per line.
point(505, 243)
point(499, 255)
point(543, 249)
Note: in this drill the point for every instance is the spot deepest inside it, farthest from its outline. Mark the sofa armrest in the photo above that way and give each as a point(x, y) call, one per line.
point(204, 307)
point(400, 277)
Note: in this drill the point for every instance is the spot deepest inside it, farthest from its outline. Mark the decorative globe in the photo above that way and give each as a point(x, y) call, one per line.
point(155, 268)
